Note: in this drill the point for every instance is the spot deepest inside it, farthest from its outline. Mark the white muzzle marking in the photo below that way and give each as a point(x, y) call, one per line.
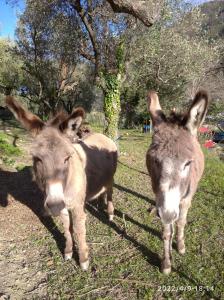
point(172, 200)
point(56, 190)
point(169, 211)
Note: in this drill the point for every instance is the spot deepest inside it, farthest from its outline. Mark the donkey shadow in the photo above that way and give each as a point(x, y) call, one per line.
point(23, 189)
point(96, 209)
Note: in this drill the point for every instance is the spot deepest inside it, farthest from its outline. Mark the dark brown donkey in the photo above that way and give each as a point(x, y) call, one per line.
point(69, 173)
point(175, 163)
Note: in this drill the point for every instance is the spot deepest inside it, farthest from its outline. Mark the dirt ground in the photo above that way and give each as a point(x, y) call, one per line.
point(21, 275)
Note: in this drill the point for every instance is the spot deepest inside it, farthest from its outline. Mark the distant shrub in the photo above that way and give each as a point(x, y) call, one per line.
point(96, 118)
point(7, 149)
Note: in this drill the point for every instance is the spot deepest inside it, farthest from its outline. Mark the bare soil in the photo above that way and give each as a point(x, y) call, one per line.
point(21, 273)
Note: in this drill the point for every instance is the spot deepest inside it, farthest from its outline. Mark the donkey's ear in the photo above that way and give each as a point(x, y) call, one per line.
point(30, 121)
point(58, 119)
point(154, 108)
point(197, 112)
point(71, 125)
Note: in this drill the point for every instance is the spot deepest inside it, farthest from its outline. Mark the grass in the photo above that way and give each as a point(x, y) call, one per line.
point(7, 149)
point(125, 255)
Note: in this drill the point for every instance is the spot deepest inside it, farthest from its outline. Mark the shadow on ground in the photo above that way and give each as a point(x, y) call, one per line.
point(152, 257)
point(136, 194)
point(23, 189)
point(131, 168)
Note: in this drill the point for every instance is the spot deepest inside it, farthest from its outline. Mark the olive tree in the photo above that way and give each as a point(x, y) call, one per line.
point(172, 57)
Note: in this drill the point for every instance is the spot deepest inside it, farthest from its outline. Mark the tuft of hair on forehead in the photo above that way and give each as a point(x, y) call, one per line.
point(177, 118)
point(181, 119)
point(60, 117)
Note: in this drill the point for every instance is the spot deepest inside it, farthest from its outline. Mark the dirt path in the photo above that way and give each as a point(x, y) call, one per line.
point(21, 272)
point(21, 275)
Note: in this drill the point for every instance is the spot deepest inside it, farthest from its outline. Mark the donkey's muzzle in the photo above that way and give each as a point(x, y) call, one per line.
point(54, 206)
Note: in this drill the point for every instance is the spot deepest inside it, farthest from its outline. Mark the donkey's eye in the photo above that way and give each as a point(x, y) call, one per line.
point(37, 159)
point(67, 159)
point(187, 164)
point(156, 162)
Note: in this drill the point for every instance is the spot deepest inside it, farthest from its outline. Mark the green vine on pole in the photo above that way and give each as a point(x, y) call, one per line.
point(112, 92)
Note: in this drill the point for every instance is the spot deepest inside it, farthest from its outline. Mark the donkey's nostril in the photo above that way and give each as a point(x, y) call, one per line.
point(157, 213)
point(55, 207)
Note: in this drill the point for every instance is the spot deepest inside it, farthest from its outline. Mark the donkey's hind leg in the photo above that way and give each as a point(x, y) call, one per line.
point(110, 206)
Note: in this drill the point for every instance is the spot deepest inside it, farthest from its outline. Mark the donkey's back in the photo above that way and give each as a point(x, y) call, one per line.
point(99, 155)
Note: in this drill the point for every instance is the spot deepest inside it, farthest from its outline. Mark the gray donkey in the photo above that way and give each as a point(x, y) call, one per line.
point(69, 171)
point(175, 163)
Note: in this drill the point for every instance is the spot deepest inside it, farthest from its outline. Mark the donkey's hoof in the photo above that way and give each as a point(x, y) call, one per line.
point(84, 265)
point(181, 250)
point(181, 247)
point(68, 256)
point(111, 218)
point(166, 271)
point(166, 267)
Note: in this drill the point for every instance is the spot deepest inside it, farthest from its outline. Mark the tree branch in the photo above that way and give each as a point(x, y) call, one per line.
point(146, 11)
point(87, 56)
point(76, 4)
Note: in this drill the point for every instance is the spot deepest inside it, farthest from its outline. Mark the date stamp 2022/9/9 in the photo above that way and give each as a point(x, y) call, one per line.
point(185, 288)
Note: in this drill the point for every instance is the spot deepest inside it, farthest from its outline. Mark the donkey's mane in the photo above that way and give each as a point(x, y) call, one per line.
point(178, 119)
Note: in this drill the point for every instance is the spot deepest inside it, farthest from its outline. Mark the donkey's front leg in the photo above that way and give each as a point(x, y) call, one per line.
point(110, 206)
point(79, 217)
point(181, 222)
point(64, 215)
point(167, 239)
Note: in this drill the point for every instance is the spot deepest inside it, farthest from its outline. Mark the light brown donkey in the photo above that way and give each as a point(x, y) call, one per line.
point(175, 163)
point(69, 173)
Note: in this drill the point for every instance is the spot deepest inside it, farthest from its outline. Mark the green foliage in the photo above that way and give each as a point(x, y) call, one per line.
point(21, 167)
point(174, 57)
point(7, 149)
point(112, 104)
point(96, 119)
point(213, 22)
point(59, 55)
point(8, 161)
point(112, 92)
point(10, 66)
point(120, 54)
point(54, 75)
